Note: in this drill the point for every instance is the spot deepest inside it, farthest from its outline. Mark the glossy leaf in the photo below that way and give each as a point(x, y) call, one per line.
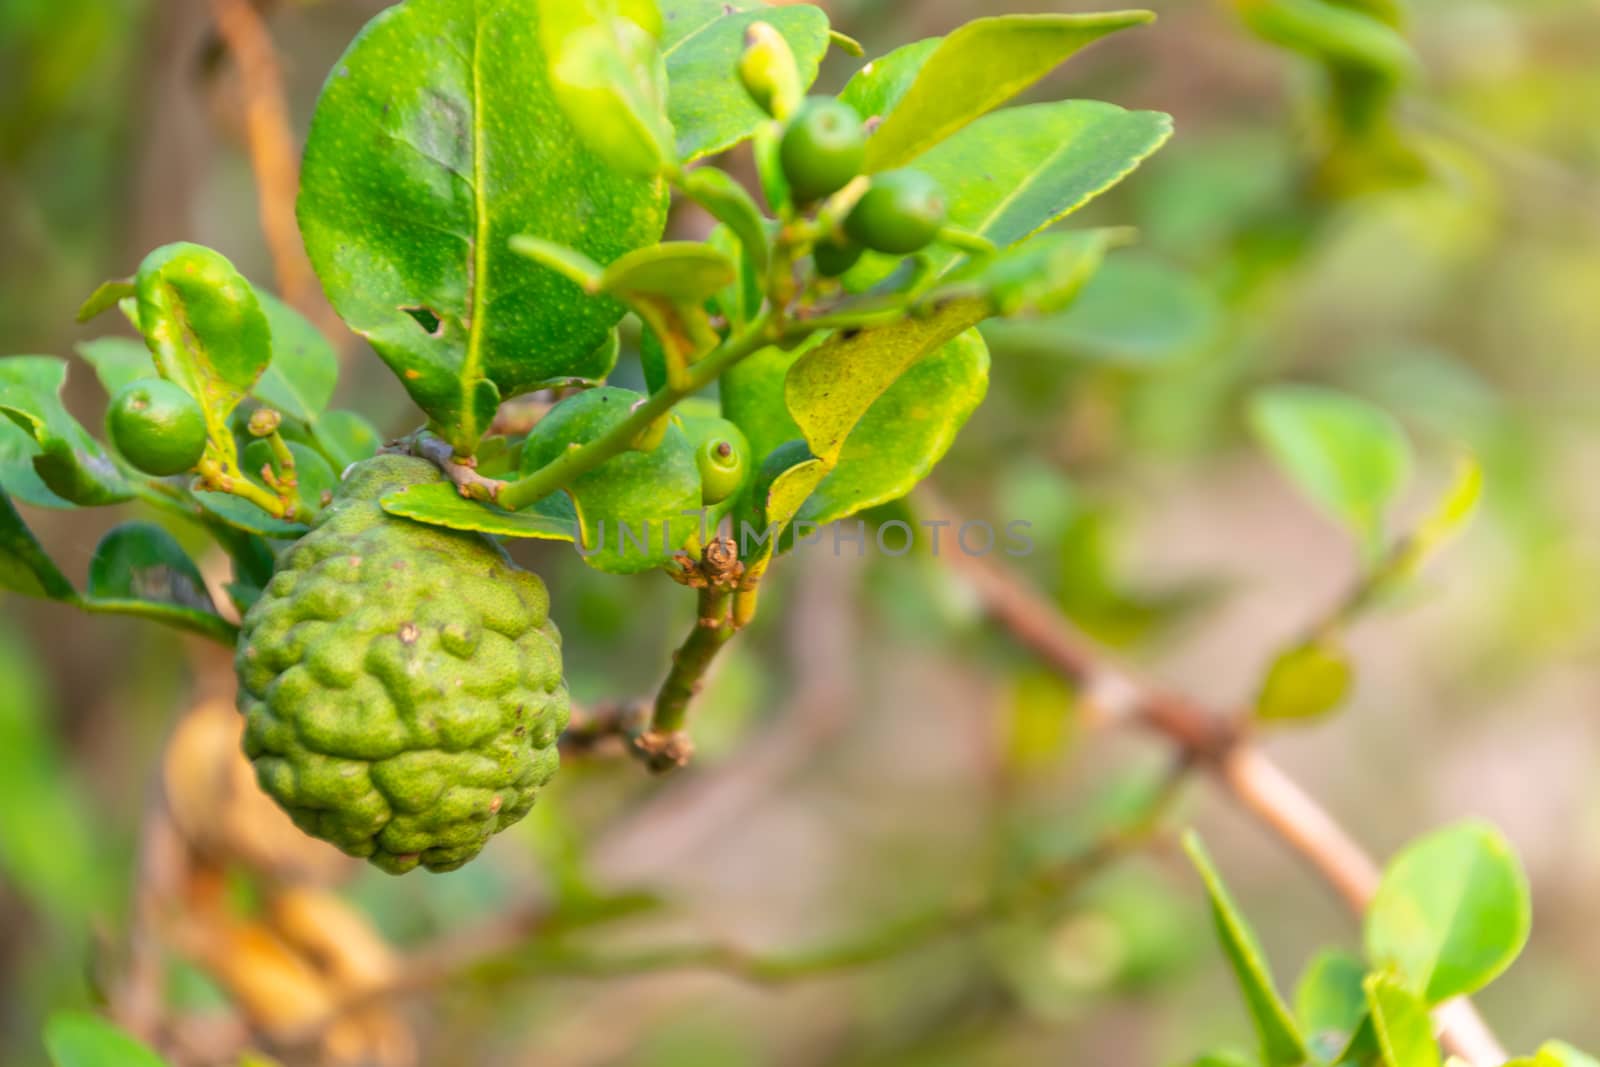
point(905, 432)
point(701, 42)
point(634, 510)
point(138, 569)
point(67, 460)
point(1561, 1054)
point(831, 387)
point(107, 295)
point(205, 327)
point(878, 87)
point(242, 515)
point(1305, 682)
point(1349, 457)
point(346, 437)
point(550, 519)
point(977, 68)
point(1136, 312)
point(730, 203)
point(1042, 275)
point(1279, 1034)
point(1451, 912)
point(437, 139)
point(751, 393)
point(24, 565)
point(79, 1039)
point(1442, 524)
point(1014, 172)
point(117, 361)
point(682, 271)
point(1402, 1023)
point(304, 370)
point(610, 80)
point(1329, 1001)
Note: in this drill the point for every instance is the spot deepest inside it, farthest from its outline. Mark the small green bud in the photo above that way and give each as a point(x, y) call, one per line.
point(767, 69)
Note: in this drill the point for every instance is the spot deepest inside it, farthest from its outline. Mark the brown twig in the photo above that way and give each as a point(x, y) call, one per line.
point(468, 482)
point(1214, 741)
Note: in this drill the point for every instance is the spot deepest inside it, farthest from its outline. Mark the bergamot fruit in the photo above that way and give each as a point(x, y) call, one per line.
point(401, 683)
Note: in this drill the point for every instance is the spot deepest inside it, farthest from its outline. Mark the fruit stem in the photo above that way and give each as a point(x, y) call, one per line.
point(213, 478)
point(560, 472)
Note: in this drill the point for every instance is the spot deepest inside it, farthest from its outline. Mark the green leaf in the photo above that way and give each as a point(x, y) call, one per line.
point(550, 519)
point(636, 509)
point(436, 139)
point(79, 1039)
point(878, 87)
point(240, 514)
point(50, 846)
point(1305, 682)
point(1041, 275)
point(346, 437)
point(1330, 1002)
point(1349, 457)
point(1451, 912)
point(1281, 1043)
point(732, 205)
point(1404, 1028)
point(751, 393)
point(831, 387)
point(117, 361)
point(683, 271)
point(701, 42)
point(609, 78)
point(204, 325)
point(1136, 311)
point(69, 462)
point(977, 68)
point(1014, 172)
point(107, 295)
point(24, 566)
point(1561, 1054)
point(905, 432)
point(1443, 523)
point(138, 569)
point(1332, 32)
point(304, 370)
point(1222, 1058)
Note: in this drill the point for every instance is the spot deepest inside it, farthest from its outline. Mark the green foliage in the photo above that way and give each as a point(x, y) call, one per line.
point(78, 1039)
point(46, 458)
point(1401, 1022)
point(139, 569)
point(1330, 1002)
point(1349, 457)
point(1451, 913)
point(409, 232)
point(300, 379)
point(1305, 682)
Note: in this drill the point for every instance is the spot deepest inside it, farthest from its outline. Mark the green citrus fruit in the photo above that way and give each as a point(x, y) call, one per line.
point(724, 460)
point(401, 683)
point(157, 426)
point(823, 147)
point(899, 213)
point(833, 258)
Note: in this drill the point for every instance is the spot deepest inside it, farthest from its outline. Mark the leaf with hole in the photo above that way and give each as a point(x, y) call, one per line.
point(1451, 912)
point(972, 71)
point(436, 139)
point(702, 41)
point(66, 461)
point(1276, 1028)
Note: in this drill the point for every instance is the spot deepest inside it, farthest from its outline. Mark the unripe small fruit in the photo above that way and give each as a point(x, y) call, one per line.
point(724, 464)
point(900, 213)
point(833, 258)
point(157, 426)
point(823, 147)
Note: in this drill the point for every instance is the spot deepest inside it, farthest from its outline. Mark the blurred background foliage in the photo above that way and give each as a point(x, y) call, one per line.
point(873, 750)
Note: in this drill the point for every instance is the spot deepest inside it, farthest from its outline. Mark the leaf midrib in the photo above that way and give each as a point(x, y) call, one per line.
point(478, 284)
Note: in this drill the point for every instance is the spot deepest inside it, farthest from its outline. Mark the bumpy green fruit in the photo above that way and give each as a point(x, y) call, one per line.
point(157, 426)
point(899, 213)
point(823, 147)
point(401, 683)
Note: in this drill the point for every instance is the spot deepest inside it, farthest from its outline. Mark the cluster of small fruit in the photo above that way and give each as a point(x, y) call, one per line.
point(823, 149)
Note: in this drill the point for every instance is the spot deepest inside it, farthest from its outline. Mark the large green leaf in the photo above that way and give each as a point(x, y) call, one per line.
point(138, 569)
point(78, 1039)
point(702, 41)
point(905, 432)
point(974, 70)
point(1348, 456)
point(1281, 1043)
point(550, 519)
point(304, 370)
point(204, 325)
point(876, 88)
point(437, 138)
point(1401, 1022)
point(1329, 1001)
point(117, 361)
point(69, 462)
point(1451, 912)
point(1014, 172)
point(634, 510)
point(24, 565)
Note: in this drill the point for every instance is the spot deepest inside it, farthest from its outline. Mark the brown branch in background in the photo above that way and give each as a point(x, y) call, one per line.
point(1214, 741)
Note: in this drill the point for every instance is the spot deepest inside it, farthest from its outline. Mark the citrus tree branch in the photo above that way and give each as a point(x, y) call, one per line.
point(1215, 742)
